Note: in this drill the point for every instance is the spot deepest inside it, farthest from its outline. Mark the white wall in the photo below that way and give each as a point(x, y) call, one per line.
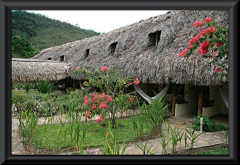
point(219, 105)
point(191, 98)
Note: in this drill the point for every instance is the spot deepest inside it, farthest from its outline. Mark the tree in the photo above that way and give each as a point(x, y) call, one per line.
point(21, 47)
point(212, 42)
point(113, 97)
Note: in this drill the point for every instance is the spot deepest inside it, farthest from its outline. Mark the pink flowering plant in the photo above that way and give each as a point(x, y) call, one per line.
point(112, 97)
point(211, 43)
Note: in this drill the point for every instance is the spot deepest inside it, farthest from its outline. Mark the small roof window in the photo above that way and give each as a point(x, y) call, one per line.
point(112, 48)
point(154, 38)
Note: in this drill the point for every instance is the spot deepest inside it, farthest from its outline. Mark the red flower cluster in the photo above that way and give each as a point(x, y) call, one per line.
point(131, 100)
point(218, 70)
point(207, 20)
point(88, 113)
point(218, 44)
point(96, 103)
point(100, 119)
point(104, 69)
point(196, 24)
point(204, 46)
point(103, 105)
point(137, 81)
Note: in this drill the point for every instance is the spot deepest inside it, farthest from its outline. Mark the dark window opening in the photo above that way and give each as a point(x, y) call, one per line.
point(206, 97)
point(87, 53)
point(112, 47)
point(180, 94)
point(49, 58)
point(61, 58)
point(154, 38)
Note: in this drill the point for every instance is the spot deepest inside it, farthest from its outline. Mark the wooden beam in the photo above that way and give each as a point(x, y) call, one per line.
point(200, 100)
point(174, 99)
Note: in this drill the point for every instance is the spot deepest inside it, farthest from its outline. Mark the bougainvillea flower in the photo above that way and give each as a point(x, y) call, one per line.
point(100, 119)
point(104, 69)
point(137, 81)
point(218, 44)
point(203, 51)
point(88, 113)
point(101, 96)
point(196, 24)
point(94, 106)
point(216, 70)
point(208, 19)
point(204, 45)
point(78, 68)
point(103, 105)
point(86, 102)
point(109, 98)
point(85, 97)
point(131, 100)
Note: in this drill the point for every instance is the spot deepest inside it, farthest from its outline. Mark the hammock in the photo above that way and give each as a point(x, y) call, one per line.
point(224, 97)
point(84, 88)
point(148, 98)
point(61, 84)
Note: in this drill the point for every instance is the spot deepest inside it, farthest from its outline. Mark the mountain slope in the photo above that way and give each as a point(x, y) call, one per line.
point(43, 32)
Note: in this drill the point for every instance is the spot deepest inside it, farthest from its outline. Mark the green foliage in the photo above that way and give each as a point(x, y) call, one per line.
point(146, 150)
point(21, 47)
point(156, 112)
point(192, 135)
point(112, 84)
point(27, 87)
point(43, 32)
point(19, 97)
point(44, 86)
point(17, 85)
point(216, 151)
point(208, 125)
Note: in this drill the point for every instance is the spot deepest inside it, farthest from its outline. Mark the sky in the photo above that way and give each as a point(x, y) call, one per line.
point(100, 20)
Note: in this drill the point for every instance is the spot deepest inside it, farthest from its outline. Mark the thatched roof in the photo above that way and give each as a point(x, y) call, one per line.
point(29, 70)
point(134, 53)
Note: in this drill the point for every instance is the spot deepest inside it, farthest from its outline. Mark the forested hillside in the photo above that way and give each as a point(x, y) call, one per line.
point(33, 32)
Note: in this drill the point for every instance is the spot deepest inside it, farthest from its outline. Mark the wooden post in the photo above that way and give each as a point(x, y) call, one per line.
point(174, 99)
point(200, 100)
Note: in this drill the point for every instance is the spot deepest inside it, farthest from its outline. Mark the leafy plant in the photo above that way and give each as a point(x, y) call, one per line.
point(208, 124)
point(44, 86)
point(146, 150)
point(192, 136)
point(27, 87)
point(110, 145)
point(156, 112)
point(111, 83)
point(225, 133)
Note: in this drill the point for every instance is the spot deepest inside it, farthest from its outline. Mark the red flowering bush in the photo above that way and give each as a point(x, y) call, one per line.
point(112, 98)
point(212, 43)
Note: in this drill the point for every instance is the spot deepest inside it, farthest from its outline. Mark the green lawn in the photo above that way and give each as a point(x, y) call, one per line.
point(216, 151)
point(57, 136)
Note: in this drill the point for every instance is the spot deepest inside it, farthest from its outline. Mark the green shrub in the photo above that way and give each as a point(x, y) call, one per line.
point(19, 97)
point(208, 125)
point(156, 112)
point(44, 86)
point(17, 85)
point(27, 87)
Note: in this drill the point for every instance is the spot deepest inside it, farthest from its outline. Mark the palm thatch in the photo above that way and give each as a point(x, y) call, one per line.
point(29, 70)
point(130, 48)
